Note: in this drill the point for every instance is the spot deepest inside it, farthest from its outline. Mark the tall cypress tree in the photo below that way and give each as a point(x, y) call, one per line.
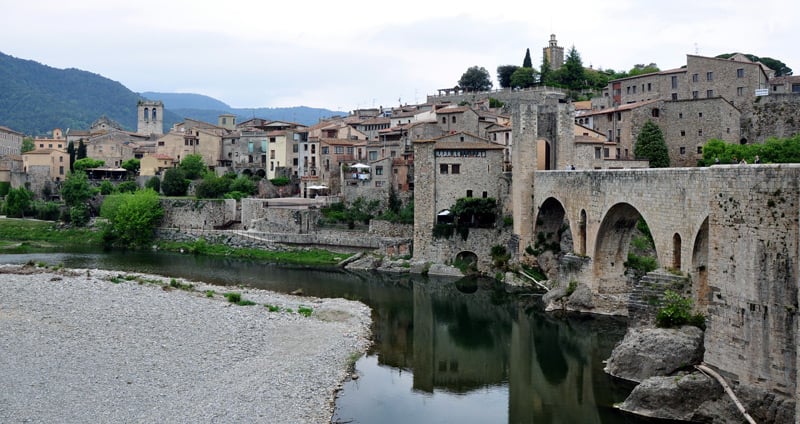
point(650, 144)
point(526, 63)
point(71, 151)
point(81, 150)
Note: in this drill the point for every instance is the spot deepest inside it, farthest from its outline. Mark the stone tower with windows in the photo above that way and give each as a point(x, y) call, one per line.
point(150, 117)
point(554, 53)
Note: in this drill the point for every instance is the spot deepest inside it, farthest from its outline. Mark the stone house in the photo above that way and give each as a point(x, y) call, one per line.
point(193, 137)
point(502, 136)
point(785, 84)
point(458, 119)
point(155, 164)
point(113, 147)
point(10, 141)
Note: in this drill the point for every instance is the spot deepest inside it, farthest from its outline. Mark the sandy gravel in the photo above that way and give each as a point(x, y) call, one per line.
point(77, 347)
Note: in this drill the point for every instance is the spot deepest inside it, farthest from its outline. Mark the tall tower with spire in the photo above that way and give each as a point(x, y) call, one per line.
point(554, 53)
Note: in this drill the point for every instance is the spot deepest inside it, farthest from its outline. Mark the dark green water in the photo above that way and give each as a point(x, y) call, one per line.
point(443, 352)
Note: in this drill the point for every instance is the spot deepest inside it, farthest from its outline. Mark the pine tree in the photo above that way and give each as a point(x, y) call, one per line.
point(526, 63)
point(650, 145)
point(71, 152)
point(81, 154)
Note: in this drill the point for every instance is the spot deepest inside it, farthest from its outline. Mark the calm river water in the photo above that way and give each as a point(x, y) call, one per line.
point(444, 351)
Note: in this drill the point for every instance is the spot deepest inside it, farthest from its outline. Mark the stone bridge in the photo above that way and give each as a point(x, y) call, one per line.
point(732, 229)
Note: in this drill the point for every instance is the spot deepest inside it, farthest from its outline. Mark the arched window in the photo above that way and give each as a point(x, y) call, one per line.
point(676, 251)
point(154, 114)
point(146, 114)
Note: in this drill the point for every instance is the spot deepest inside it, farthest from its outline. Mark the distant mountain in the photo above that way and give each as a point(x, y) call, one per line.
point(208, 109)
point(36, 98)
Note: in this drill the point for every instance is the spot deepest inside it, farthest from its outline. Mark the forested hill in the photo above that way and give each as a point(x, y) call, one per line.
point(208, 109)
point(36, 98)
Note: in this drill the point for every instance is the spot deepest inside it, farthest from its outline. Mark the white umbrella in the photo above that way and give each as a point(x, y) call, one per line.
point(359, 166)
point(317, 187)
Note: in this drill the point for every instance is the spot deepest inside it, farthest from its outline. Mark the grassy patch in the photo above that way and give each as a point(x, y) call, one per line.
point(182, 286)
point(24, 235)
point(304, 311)
point(304, 257)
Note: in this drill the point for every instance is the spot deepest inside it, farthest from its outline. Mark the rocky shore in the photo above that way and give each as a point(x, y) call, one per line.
point(102, 346)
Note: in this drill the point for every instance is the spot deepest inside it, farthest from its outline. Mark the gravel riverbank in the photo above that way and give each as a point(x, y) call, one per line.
point(81, 346)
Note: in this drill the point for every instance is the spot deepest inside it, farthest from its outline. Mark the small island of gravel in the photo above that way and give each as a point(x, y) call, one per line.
point(101, 346)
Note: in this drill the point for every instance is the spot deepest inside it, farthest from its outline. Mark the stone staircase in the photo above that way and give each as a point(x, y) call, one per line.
point(647, 293)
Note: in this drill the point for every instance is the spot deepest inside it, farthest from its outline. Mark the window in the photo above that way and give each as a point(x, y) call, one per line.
point(295, 148)
point(674, 82)
point(272, 154)
point(373, 155)
point(469, 193)
point(709, 93)
point(378, 170)
point(695, 78)
point(655, 112)
point(443, 168)
point(740, 73)
point(680, 115)
point(683, 133)
point(709, 76)
point(453, 119)
point(740, 91)
point(634, 89)
point(605, 152)
point(455, 168)
point(699, 150)
point(325, 149)
point(695, 94)
point(628, 90)
point(61, 170)
point(674, 96)
point(294, 162)
point(700, 115)
point(444, 119)
point(272, 139)
point(597, 153)
point(700, 132)
point(683, 150)
point(349, 150)
point(485, 194)
point(649, 88)
point(378, 183)
point(314, 149)
point(61, 158)
point(338, 150)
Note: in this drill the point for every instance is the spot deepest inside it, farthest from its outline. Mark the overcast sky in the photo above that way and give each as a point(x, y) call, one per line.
point(347, 54)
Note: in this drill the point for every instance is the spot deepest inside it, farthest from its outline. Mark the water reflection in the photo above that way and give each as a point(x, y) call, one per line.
point(444, 350)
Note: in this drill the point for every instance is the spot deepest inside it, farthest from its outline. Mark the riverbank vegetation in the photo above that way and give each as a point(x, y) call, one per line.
point(25, 235)
point(314, 257)
point(774, 150)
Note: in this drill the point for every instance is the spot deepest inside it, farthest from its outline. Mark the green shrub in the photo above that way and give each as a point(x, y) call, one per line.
point(233, 297)
point(676, 311)
point(106, 188)
point(280, 181)
point(642, 264)
point(153, 183)
point(127, 187)
point(304, 311)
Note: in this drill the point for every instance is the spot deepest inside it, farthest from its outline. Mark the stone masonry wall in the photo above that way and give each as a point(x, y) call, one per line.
point(197, 214)
point(753, 329)
point(776, 115)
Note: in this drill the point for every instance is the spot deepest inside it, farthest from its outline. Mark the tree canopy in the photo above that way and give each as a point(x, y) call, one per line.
point(504, 73)
point(175, 183)
point(81, 165)
point(773, 150)
point(776, 65)
point(76, 189)
point(650, 144)
point(193, 166)
point(476, 78)
point(523, 78)
point(132, 217)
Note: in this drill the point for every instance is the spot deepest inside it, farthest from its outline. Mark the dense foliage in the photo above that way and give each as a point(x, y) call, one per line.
point(175, 183)
point(774, 150)
point(524, 78)
point(132, 218)
point(193, 167)
point(76, 189)
point(360, 210)
point(476, 212)
point(81, 165)
point(504, 73)
point(18, 202)
point(776, 65)
point(650, 145)
point(676, 311)
point(476, 78)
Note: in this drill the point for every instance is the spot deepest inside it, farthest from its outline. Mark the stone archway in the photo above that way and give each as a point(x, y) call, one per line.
point(611, 247)
point(467, 259)
point(676, 252)
point(700, 290)
point(544, 161)
point(549, 227)
point(261, 173)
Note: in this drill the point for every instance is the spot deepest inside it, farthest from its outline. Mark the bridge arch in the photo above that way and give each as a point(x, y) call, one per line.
point(676, 251)
point(611, 247)
point(700, 290)
point(550, 225)
point(467, 258)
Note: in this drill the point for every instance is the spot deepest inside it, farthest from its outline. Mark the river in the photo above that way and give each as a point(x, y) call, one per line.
point(444, 351)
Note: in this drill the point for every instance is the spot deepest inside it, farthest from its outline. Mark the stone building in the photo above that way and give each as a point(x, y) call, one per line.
point(155, 164)
point(445, 170)
point(150, 117)
point(554, 53)
point(10, 141)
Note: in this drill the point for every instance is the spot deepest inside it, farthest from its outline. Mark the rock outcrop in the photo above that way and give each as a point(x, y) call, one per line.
point(648, 352)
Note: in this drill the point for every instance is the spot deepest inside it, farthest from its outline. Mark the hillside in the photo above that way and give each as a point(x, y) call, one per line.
point(36, 98)
point(204, 108)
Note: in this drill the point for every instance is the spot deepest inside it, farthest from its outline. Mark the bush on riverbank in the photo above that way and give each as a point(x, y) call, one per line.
point(302, 257)
point(26, 235)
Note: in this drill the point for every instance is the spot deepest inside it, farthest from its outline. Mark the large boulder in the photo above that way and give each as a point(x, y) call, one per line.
point(648, 352)
point(672, 398)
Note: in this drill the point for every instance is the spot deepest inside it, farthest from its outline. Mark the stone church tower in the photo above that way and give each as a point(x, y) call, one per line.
point(554, 53)
point(150, 117)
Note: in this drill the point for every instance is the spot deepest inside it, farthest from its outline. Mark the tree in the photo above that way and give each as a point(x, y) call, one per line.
point(81, 165)
point(212, 187)
point(545, 73)
point(18, 201)
point(28, 144)
point(175, 183)
point(153, 183)
point(650, 145)
point(523, 78)
point(244, 185)
point(132, 217)
point(476, 79)
point(132, 166)
point(573, 75)
point(641, 69)
point(76, 189)
point(504, 73)
point(526, 63)
point(776, 65)
point(193, 166)
point(81, 153)
point(71, 151)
